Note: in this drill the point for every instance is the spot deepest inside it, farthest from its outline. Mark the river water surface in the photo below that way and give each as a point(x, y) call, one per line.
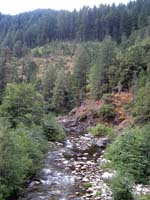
point(67, 167)
point(56, 181)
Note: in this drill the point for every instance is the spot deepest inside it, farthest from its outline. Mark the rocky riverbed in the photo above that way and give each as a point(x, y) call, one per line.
point(85, 156)
point(73, 169)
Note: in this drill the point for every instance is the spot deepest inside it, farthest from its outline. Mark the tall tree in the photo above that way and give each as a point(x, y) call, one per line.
point(60, 99)
point(100, 74)
point(80, 75)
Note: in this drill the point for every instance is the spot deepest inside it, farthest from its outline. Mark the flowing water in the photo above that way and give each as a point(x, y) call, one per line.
point(56, 181)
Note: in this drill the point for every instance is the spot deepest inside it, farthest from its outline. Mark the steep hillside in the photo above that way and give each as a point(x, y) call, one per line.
point(55, 54)
point(87, 113)
point(42, 26)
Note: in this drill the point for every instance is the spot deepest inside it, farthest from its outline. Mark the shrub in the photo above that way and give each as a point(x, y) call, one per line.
point(121, 188)
point(107, 112)
point(131, 153)
point(82, 117)
point(142, 105)
point(21, 156)
point(52, 130)
point(101, 130)
point(107, 98)
point(22, 104)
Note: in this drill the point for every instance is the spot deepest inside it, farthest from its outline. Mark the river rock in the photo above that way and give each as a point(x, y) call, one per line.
point(142, 189)
point(107, 175)
point(46, 171)
point(102, 142)
point(34, 183)
point(65, 162)
point(85, 179)
point(68, 154)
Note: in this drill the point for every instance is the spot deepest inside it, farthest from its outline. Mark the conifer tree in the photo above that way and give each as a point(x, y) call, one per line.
point(80, 75)
point(100, 75)
point(60, 93)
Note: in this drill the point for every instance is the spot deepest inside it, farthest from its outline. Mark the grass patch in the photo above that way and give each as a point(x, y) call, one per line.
point(101, 130)
point(144, 197)
point(87, 185)
point(106, 166)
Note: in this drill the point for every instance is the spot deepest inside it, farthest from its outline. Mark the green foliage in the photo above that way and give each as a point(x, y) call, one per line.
point(30, 69)
point(48, 82)
point(52, 130)
point(98, 194)
point(22, 104)
point(19, 49)
point(107, 112)
point(103, 70)
point(144, 197)
point(42, 26)
point(132, 63)
point(107, 98)
point(60, 99)
point(8, 69)
point(131, 153)
point(22, 143)
point(101, 130)
point(21, 154)
point(80, 75)
point(142, 105)
point(106, 166)
point(121, 188)
point(142, 80)
point(87, 185)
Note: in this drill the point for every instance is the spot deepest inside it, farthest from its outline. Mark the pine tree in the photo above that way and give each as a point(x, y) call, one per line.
point(60, 97)
point(30, 69)
point(80, 75)
point(100, 75)
point(48, 82)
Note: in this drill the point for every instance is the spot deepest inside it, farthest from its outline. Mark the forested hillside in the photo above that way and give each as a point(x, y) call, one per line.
point(93, 66)
point(42, 26)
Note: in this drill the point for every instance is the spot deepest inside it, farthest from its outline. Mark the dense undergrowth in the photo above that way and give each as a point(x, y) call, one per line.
point(24, 130)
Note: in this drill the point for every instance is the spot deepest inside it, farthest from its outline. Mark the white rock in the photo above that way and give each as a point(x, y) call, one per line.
point(107, 175)
point(90, 163)
point(65, 162)
point(85, 179)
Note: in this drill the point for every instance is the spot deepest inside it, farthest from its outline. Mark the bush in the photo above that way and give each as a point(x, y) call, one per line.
point(21, 156)
point(121, 188)
point(142, 105)
point(107, 112)
point(22, 104)
point(131, 153)
point(22, 143)
point(101, 130)
point(107, 98)
point(52, 130)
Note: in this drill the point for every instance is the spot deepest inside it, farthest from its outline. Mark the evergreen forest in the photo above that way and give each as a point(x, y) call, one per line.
point(92, 65)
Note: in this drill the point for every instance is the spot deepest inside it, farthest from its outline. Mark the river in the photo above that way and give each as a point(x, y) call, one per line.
point(71, 171)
